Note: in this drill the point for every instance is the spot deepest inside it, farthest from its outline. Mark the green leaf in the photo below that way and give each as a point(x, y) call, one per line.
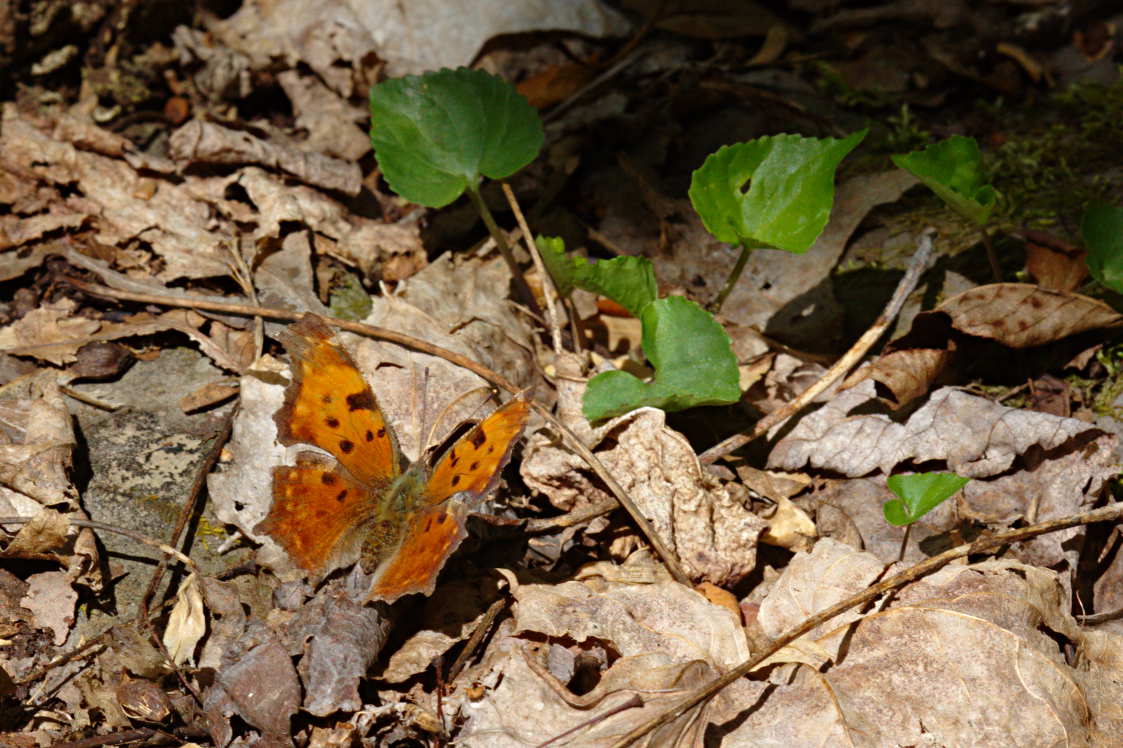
point(919, 494)
point(693, 360)
point(790, 194)
point(562, 268)
point(1102, 230)
point(629, 281)
point(436, 134)
point(953, 169)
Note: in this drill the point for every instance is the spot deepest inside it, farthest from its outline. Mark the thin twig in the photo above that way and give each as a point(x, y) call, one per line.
point(548, 290)
point(477, 636)
point(985, 542)
point(522, 290)
point(102, 527)
point(408, 341)
point(915, 269)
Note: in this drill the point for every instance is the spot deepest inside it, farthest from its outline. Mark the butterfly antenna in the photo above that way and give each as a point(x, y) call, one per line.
point(445, 411)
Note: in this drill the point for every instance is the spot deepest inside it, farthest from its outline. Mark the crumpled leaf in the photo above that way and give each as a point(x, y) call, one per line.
point(704, 522)
point(976, 437)
point(341, 638)
point(915, 671)
point(186, 623)
point(205, 142)
point(50, 332)
point(260, 686)
point(812, 582)
point(664, 617)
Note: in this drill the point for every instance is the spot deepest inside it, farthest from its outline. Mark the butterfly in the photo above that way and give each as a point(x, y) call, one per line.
point(365, 502)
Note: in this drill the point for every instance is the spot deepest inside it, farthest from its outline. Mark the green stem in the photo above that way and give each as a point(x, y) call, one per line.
point(734, 276)
point(522, 290)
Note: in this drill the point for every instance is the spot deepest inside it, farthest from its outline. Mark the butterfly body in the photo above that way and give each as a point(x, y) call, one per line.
point(365, 503)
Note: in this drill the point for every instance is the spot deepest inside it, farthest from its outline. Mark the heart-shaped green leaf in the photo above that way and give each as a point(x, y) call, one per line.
point(953, 169)
point(629, 281)
point(438, 133)
point(693, 360)
point(1102, 231)
point(790, 194)
point(919, 494)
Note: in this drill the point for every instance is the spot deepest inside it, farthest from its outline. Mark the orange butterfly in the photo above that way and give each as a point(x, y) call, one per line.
point(401, 522)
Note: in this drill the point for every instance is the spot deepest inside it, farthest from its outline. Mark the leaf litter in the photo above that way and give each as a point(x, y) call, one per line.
point(556, 608)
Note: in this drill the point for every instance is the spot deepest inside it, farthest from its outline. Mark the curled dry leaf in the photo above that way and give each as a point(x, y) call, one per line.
point(186, 623)
point(1021, 315)
point(706, 524)
point(46, 532)
point(967, 656)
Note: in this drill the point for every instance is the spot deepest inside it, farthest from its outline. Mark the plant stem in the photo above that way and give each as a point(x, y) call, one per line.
point(522, 290)
point(734, 276)
point(995, 268)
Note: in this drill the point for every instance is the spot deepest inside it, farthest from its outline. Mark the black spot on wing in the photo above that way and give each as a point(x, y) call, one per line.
point(341, 495)
point(455, 480)
point(477, 437)
point(328, 479)
point(346, 445)
point(363, 400)
point(332, 422)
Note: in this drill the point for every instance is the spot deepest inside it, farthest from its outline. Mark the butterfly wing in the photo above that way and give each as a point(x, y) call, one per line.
point(436, 527)
point(329, 405)
point(320, 514)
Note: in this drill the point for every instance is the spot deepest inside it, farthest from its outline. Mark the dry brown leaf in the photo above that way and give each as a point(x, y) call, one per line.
point(50, 332)
point(964, 657)
point(205, 142)
point(976, 437)
point(260, 686)
point(1020, 315)
point(705, 523)
point(340, 639)
point(1053, 263)
point(46, 532)
point(906, 374)
point(665, 617)
point(51, 598)
point(815, 581)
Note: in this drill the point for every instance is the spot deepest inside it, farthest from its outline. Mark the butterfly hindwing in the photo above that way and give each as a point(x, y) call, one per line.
point(427, 541)
point(319, 513)
point(329, 405)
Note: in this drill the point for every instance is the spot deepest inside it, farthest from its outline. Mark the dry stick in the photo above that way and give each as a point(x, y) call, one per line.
point(982, 543)
point(916, 267)
point(548, 290)
point(188, 509)
point(102, 527)
point(477, 636)
point(408, 341)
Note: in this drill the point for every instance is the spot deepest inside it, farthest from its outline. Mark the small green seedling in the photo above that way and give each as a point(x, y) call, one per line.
point(919, 494)
point(1102, 232)
point(436, 135)
point(690, 352)
point(953, 169)
point(787, 204)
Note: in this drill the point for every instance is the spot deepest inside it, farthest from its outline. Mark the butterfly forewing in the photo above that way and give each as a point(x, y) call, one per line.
point(474, 462)
point(329, 405)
